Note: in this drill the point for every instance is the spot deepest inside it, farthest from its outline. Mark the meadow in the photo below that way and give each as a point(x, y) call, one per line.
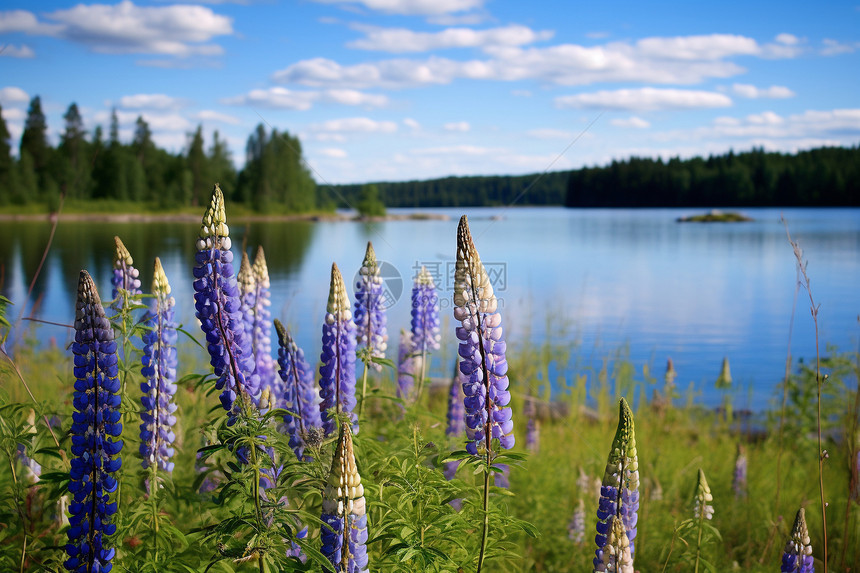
point(254, 469)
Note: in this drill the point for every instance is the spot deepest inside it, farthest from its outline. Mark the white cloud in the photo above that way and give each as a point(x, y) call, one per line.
point(711, 47)
point(750, 91)
point(12, 94)
point(680, 60)
point(283, 98)
point(783, 46)
point(14, 114)
point(631, 122)
point(411, 123)
point(402, 40)
point(150, 101)
point(457, 150)
point(837, 123)
point(413, 7)
point(549, 133)
point(787, 39)
point(460, 126)
point(835, 48)
point(354, 125)
point(12, 51)
point(158, 120)
point(124, 28)
point(333, 152)
point(470, 19)
point(644, 99)
point(217, 116)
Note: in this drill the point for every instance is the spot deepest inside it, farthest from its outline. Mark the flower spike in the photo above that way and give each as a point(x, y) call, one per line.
point(797, 557)
point(96, 431)
point(337, 372)
point(702, 502)
point(370, 317)
point(482, 350)
point(125, 276)
point(261, 340)
point(216, 299)
point(159, 368)
point(619, 491)
point(344, 530)
point(299, 390)
point(425, 314)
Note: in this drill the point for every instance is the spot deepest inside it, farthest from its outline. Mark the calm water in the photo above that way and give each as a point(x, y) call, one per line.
point(596, 279)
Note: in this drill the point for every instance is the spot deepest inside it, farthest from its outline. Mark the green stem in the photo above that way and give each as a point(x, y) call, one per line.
point(486, 508)
point(699, 542)
point(363, 391)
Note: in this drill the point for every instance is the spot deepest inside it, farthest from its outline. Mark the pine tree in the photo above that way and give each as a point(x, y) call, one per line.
point(34, 142)
point(6, 164)
point(75, 170)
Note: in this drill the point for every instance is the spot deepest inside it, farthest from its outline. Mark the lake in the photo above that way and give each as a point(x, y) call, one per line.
point(599, 280)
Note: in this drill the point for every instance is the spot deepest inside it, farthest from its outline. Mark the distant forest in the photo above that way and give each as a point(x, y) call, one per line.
point(97, 166)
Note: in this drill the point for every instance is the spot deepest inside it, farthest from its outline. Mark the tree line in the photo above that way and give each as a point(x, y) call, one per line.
point(94, 166)
point(275, 178)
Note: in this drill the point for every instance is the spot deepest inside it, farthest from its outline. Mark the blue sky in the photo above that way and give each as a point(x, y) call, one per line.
point(414, 89)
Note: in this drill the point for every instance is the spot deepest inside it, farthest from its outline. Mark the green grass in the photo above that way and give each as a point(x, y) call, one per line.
point(399, 459)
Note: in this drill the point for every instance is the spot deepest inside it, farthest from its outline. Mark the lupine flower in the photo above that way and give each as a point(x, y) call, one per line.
point(482, 350)
point(405, 366)
point(261, 339)
point(246, 283)
point(502, 478)
point(32, 468)
point(125, 276)
point(337, 373)
point(532, 428)
point(370, 315)
point(344, 514)
point(95, 430)
point(159, 369)
point(619, 492)
point(299, 390)
point(797, 557)
point(724, 380)
point(456, 426)
point(216, 299)
point(576, 527)
point(702, 502)
point(425, 314)
point(739, 479)
point(617, 554)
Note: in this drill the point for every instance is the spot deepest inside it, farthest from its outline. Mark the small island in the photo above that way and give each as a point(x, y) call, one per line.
point(715, 216)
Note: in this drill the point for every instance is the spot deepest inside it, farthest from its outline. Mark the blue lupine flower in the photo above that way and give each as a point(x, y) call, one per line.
point(425, 314)
point(576, 527)
point(739, 478)
point(456, 413)
point(337, 372)
point(616, 556)
point(343, 510)
point(125, 276)
point(405, 367)
point(95, 431)
point(797, 557)
point(216, 299)
point(502, 478)
point(246, 284)
point(159, 369)
point(619, 493)
point(261, 339)
point(299, 391)
point(482, 350)
point(532, 428)
point(370, 315)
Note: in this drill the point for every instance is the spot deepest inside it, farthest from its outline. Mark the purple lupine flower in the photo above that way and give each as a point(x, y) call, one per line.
point(299, 391)
point(344, 514)
point(532, 428)
point(617, 556)
point(425, 314)
point(125, 276)
point(456, 412)
point(576, 527)
point(482, 350)
point(246, 284)
point(261, 339)
point(502, 478)
point(405, 367)
point(370, 315)
point(337, 372)
point(739, 478)
point(216, 298)
point(95, 430)
point(159, 369)
point(619, 494)
point(797, 557)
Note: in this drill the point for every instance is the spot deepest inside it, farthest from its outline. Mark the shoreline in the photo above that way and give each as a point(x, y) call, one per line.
point(192, 218)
